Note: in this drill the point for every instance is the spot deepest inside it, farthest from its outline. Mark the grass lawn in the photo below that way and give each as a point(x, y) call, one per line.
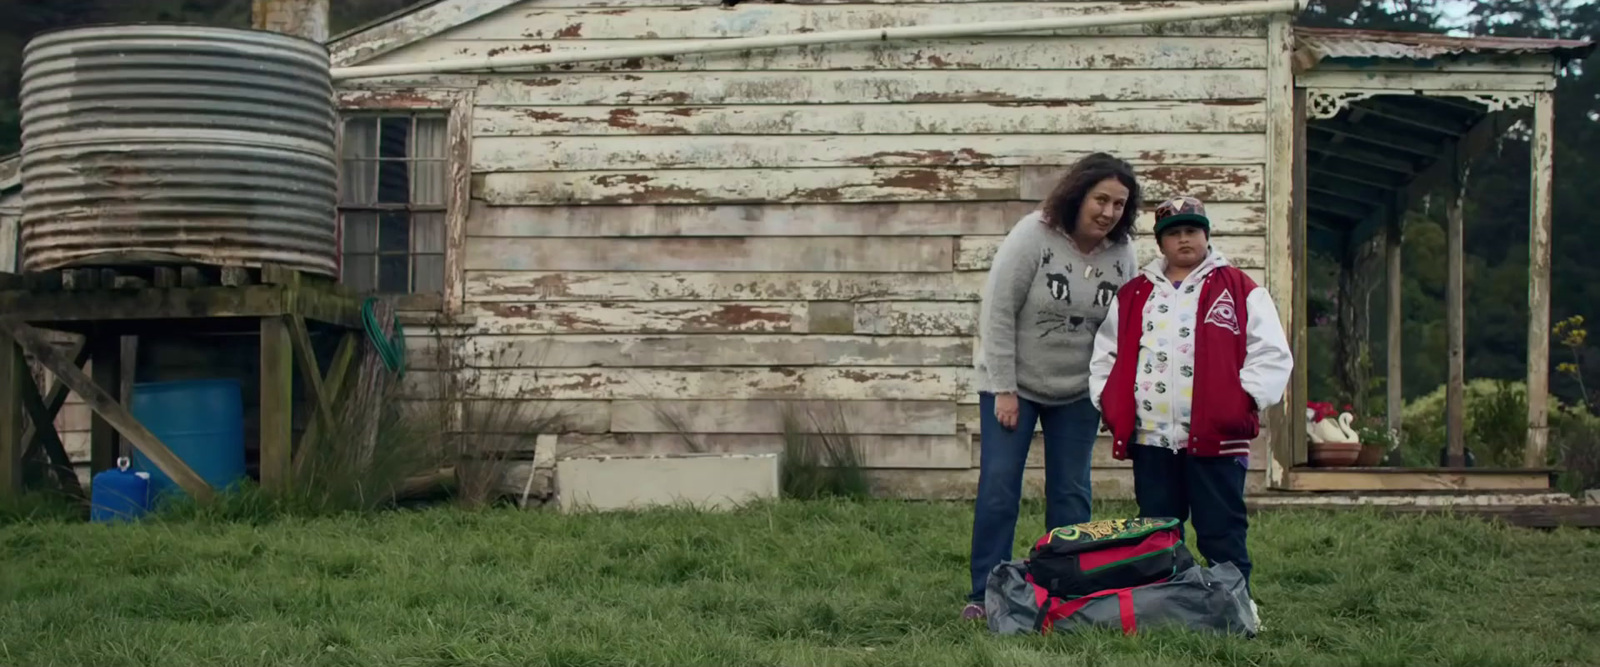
point(787, 584)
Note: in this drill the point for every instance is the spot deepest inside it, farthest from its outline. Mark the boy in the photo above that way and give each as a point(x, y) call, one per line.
point(1189, 354)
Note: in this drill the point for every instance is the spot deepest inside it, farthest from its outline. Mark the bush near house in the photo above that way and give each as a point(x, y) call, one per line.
point(1496, 431)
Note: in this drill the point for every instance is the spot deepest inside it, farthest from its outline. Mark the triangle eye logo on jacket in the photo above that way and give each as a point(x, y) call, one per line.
point(1224, 312)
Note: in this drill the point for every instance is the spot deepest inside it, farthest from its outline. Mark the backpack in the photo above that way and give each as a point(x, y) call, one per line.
point(1213, 599)
point(1086, 558)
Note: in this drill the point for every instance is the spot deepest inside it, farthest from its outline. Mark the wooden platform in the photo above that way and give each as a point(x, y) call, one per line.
point(1417, 479)
point(103, 304)
point(1527, 509)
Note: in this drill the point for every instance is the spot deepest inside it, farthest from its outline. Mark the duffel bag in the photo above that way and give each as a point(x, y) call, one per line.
point(1207, 599)
point(1085, 558)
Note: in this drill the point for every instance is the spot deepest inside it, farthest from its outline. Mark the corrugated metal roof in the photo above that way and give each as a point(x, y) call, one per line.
point(1322, 43)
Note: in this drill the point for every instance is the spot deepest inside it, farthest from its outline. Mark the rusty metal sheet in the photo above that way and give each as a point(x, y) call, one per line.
point(1314, 44)
point(205, 145)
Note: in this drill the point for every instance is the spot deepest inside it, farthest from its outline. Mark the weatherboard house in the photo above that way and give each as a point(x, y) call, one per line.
point(589, 208)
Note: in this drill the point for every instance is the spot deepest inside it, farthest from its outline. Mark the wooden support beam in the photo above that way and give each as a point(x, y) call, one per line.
point(1542, 166)
point(332, 388)
point(12, 374)
point(277, 405)
point(56, 398)
point(1455, 318)
point(105, 359)
point(1298, 334)
point(1393, 247)
point(305, 357)
point(103, 404)
point(44, 425)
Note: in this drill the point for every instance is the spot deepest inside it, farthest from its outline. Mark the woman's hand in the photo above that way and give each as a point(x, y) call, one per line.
point(1005, 410)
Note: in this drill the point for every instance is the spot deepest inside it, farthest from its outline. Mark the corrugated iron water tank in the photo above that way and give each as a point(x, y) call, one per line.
point(177, 143)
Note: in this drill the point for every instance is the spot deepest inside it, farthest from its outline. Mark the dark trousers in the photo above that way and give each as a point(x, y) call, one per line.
point(1069, 434)
point(1206, 491)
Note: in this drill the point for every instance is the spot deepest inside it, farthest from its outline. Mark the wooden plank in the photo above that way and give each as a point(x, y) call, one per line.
point(843, 185)
point(766, 417)
point(305, 357)
point(13, 373)
point(1106, 117)
point(1214, 185)
point(105, 359)
point(1455, 319)
point(760, 383)
point(43, 421)
point(816, 254)
point(753, 4)
point(1410, 82)
point(109, 409)
point(1279, 251)
point(889, 219)
point(1523, 516)
point(332, 389)
point(675, 89)
point(58, 396)
point(1396, 479)
point(638, 318)
point(458, 201)
point(876, 451)
point(917, 318)
point(1298, 451)
point(962, 485)
point(997, 53)
point(1394, 386)
point(975, 253)
point(277, 406)
point(527, 286)
point(1541, 191)
point(409, 27)
point(553, 416)
point(712, 22)
point(150, 304)
point(644, 351)
point(503, 154)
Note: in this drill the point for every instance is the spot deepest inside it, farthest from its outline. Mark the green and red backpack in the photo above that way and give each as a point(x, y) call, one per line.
point(1086, 558)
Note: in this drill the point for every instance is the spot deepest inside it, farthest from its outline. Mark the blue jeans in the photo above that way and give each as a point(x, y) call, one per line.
point(1069, 435)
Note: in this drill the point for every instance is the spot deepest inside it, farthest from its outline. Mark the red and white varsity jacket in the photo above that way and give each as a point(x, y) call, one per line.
point(1189, 366)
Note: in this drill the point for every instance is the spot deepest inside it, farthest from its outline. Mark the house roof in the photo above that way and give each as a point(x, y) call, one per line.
point(407, 26)
point(1319, 43)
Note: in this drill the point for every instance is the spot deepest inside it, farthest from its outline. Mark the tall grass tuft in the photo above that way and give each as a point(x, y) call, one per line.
point(820, 456)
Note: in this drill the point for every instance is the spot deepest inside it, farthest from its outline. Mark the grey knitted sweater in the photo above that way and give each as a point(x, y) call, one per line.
point(1042, 304)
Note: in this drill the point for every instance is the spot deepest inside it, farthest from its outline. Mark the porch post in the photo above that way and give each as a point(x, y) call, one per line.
point(1455, 325)
point(1396, 397)
point(1542, 166)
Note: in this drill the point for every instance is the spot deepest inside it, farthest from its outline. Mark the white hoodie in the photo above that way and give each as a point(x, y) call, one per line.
point(1165, 386)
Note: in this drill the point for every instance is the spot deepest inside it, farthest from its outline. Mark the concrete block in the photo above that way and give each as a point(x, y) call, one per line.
point(705, 481)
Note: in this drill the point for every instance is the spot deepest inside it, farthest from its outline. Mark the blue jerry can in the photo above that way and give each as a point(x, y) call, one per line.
point(119, 494)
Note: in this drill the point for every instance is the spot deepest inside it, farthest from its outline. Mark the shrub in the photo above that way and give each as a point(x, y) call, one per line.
point(820, 459)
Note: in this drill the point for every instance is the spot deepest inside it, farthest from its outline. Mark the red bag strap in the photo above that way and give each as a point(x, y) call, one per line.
point(1125, 610)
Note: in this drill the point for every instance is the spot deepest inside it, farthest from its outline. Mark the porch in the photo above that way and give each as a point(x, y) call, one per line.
point(1382, 121)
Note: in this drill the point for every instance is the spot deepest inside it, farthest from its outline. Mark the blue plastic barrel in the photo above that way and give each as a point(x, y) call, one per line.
point(119, 494)
point(201, 421)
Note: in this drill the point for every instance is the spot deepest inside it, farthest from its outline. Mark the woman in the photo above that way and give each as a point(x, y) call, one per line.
point(1048, 290)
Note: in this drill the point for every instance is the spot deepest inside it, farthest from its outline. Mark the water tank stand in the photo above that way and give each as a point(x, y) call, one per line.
point(105, 304)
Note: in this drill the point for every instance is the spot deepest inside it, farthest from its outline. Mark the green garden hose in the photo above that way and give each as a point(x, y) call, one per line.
point(392, 350)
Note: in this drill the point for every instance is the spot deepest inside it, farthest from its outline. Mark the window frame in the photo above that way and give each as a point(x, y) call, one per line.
point(456, 104)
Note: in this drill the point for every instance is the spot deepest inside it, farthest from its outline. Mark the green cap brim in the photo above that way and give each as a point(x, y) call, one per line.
point(1194, 219)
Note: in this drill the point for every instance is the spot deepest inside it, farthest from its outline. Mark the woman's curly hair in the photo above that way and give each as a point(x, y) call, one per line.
point(1062, 206)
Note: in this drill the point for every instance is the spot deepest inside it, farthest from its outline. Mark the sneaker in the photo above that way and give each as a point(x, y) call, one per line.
point(1256, 613)
point(972, 612)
